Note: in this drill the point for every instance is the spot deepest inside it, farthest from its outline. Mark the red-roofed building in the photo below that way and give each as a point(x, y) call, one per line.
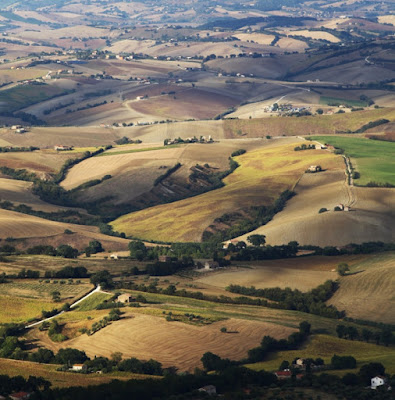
point(20, 396)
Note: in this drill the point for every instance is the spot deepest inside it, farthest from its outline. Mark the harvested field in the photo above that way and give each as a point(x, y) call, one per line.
point(316, 35)
point(43, 163)
point(34, 231)
point(323, 124)
point(291, 44)
point(256, 37)
point(263, 174)
point(175, 343)
point(186, 104)
point(371, 218)
point(301, 273)
point(368, 292)
point(97, 167)
point(325, 347)
point(15, 75)
point(48, 137)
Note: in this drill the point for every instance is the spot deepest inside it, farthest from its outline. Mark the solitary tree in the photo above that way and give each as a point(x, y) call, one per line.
point(257, 240)
point(342, 269)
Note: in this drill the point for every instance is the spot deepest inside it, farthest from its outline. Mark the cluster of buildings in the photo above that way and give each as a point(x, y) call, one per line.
point(202, 139)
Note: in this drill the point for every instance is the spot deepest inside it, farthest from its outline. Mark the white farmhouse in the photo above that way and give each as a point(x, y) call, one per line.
point(377, 381)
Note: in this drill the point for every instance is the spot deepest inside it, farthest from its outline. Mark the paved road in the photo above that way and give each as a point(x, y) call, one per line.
point(98, 289)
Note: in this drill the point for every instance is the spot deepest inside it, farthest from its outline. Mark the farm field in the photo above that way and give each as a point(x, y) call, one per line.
point(316, 35)
point(299, 273)
point(368, 292)
point(371, 217)
point(33, 289)
point(373, 159)
point(186, 104)
point(19, 309)
point(311, 125)
point(48, 137)
point(23, 96)
point(28, 231)
point(348, 102)
point(15, 75)
point(58, 378)
point(325, 347)
point(275, 167)
point(93, 301)
point(134, 168)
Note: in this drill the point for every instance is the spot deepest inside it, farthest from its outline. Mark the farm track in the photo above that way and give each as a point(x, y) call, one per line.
point(97, 290)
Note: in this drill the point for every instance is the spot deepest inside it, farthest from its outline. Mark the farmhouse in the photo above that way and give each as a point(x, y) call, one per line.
point(21, 130)
point(62, 147)
point(15, 127)
point(315, 168)
point(125, 298)
point(77, 367)
point(377, 381)
point(114, 256)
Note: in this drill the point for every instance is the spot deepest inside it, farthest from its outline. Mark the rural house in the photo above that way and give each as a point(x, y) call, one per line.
point(210, 265)
point(62, 147)
point(77, 367)
point(377, 381)
point(315, 168)
point(114, 256)
point(125, 298)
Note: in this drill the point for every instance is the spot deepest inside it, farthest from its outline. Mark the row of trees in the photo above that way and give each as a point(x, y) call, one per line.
point(311, 302)
point(385, 336)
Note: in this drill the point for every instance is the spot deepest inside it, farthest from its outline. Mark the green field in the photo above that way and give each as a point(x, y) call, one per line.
point(23, 96)
point(93, 301)
point(325, 347)
point(113, 153)
point(347, 102)
point(373, 159)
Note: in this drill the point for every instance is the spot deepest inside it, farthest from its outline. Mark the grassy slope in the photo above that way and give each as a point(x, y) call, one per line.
point(24, 96)
point(58, 378)
point(93, 301)
point(325, 347)
point(323, 124)
point(375, 160)
point(263, 174)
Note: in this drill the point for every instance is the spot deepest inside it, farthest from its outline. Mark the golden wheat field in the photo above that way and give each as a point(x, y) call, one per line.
point(263, 174)
point(176, 343)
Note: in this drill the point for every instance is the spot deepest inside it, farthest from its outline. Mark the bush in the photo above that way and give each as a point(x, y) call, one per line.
point(322, 210)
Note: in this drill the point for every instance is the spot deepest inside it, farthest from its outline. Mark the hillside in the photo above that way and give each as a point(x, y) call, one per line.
point(367, 293)
point(263, 174)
